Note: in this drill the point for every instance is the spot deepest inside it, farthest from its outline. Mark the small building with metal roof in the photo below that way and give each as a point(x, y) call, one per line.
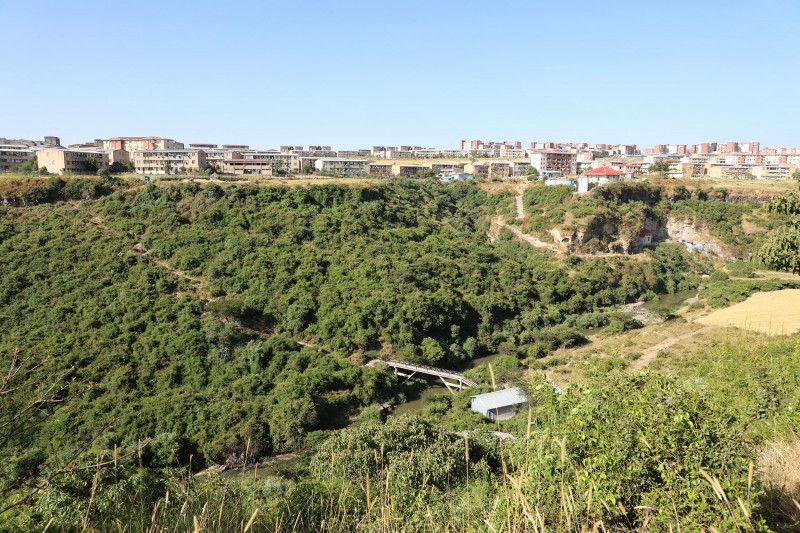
point(499, 405)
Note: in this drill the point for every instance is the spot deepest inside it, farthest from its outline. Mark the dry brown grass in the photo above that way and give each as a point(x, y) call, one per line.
point(779, 468)
point(772, 313)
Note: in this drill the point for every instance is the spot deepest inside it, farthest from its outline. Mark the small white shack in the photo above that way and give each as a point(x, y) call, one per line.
point(499, 405)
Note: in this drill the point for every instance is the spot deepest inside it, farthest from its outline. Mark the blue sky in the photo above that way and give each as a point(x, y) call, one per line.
point(351, 73)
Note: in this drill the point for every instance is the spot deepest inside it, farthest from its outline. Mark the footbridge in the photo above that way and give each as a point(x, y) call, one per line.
point(451, 379)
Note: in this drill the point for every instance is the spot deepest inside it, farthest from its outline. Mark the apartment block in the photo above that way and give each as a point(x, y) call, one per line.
point(247, 167)
point(773, 172)
point(408, 170)
point(554, 161)
point(235, 147)
point(132, 144)
point(380, 169)
point(288, 163)
point(216, 158)
point(342, 167)
point(203, 146)
point(12, 155)
point(61, 161)
point(162, 161)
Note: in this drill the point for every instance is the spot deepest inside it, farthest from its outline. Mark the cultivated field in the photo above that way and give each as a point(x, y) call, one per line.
point(773, 313)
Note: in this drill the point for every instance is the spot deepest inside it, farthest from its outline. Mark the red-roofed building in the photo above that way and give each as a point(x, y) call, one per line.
point(603, 172)
point(597, 176)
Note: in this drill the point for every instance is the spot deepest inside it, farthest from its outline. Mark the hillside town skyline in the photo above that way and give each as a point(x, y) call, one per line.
point(470, 158)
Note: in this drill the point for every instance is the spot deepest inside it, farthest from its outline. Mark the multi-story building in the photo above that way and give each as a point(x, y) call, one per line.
point(408, 170)
point(380, 169)
point(773, 172)
point(169, 161)
point(202, 146)
point(12, 155)
point(470, 145)
point(247, 167)
point(342, 167)
point(520, 168)
point(555, 161)
point(216, 158)
point(235, 147)
point(133, 144)
point(284, 163)
point(288, 149)
point(479, 170)
point(58, 160)
point(398, 154)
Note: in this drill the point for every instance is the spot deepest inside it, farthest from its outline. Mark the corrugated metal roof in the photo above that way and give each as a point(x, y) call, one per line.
point(497, 399)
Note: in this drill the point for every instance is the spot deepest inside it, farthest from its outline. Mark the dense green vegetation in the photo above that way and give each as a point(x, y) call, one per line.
point(781, 251)
point(152, 331)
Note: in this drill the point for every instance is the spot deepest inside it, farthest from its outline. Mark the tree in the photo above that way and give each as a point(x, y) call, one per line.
point(796, 175)
point(167, 168)
point(117, 167)
point(781, 251)
point(31, 165)
point(533, 174)
point(308, 168)
point(91, 165)
point(659, 167)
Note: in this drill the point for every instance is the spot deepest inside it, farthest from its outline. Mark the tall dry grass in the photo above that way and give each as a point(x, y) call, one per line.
point(779, 468)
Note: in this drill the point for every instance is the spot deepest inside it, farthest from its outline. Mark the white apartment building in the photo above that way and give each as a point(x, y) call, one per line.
point(168, 161)
point(342, 166)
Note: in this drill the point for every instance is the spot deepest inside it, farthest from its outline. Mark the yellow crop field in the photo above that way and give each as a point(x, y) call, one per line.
point(773, 313)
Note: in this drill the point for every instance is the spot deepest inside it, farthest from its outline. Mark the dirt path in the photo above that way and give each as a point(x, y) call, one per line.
point(520, 206)
point(651, 353)
point(530, 239)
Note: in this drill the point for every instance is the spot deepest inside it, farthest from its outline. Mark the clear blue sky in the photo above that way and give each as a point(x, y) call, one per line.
point(351, 73)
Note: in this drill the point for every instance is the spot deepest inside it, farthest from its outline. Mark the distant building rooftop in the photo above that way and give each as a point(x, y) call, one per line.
point(498, 404)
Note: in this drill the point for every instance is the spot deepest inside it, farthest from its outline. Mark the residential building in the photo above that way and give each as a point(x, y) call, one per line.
point(247, 167)
point(499, 169)
point(479, 170)
point(342, 167)
point(168, 161)
point(773, 172)
point(520, 168)
point(398, 154)
point(205, 147)
point(58, 160)
point(380, 169)
point(555, 160)
point(446, 166)
point(499, 405)
point(285, 163)
point(216, 158)
point(235, 147)
point(598, 176)
point(12, 155)
point(132, 144)
point(408, 170)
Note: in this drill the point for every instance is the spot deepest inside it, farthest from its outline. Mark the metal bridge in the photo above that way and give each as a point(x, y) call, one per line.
point(451, 379)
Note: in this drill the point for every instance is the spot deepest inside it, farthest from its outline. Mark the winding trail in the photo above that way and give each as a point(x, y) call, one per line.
point(499, 222)
point(651, 353)
point(530, 239)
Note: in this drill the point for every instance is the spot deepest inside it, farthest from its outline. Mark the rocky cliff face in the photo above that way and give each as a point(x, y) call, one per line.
point(605, 236)
point(686, 230)
point(602, 235)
